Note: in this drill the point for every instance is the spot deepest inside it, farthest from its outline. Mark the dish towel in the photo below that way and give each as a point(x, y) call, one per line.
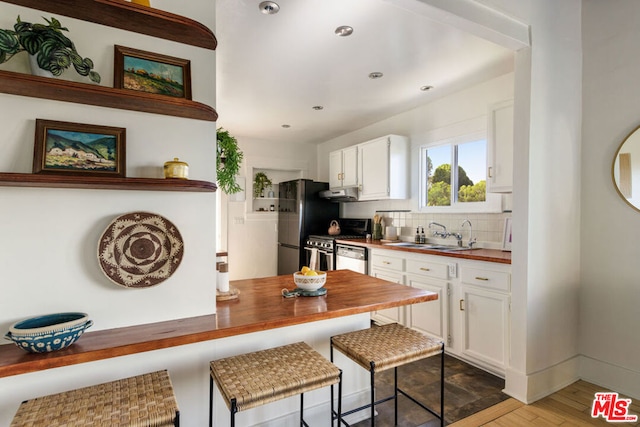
point(314, 261)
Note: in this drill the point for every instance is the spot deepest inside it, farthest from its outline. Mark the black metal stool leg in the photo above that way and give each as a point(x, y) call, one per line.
point(210, 401)
point(395, 396)
point(372, 371)
point(339, 401)
point(442, 387)
point(234, 409)
point(331, 360)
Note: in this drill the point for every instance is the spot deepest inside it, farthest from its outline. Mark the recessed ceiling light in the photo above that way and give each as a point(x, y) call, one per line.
point(317, 107)
point(286, 126)
point(269, 7)
point(375, 75)
point(426, 88)
point(344, 31)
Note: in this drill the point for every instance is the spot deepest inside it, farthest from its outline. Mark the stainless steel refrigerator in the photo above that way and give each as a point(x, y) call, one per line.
point(301, 212)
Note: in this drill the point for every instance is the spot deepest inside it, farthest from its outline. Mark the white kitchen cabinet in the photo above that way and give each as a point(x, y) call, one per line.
point(484, 315)
point(472, 312)
point(429, 273)
point(343, 168)
point(500, 148)
point(383, 168)
point(389, 267)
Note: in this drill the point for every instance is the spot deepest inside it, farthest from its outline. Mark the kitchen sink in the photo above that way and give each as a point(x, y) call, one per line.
point(429, 246)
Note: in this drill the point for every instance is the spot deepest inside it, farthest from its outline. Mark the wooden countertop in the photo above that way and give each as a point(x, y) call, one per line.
point(260, 307)
point(490, 255)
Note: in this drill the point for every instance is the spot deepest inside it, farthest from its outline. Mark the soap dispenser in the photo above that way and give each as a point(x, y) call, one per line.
point(423, 238)
point(417, 238)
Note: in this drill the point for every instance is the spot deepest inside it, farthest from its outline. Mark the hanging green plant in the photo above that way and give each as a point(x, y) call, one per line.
point(53, 51)
point(260, 182)
point(228, 160)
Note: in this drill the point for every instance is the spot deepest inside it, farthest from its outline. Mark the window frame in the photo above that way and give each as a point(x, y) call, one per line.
point(493, 202)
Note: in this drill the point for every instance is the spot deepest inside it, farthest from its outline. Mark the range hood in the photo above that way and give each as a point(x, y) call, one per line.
point(345, 195)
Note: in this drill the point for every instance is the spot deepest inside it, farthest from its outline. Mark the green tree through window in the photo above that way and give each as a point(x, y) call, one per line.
point(437, 164)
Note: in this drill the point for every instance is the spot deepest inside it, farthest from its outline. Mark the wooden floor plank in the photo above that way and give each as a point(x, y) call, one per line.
point(569, 407)
point(489, 414)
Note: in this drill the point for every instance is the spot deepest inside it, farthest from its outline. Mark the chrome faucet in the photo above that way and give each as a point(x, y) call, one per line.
point(444, 233)
point(472, 240)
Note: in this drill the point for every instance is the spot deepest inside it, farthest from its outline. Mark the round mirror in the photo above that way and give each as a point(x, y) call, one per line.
point(626, 169)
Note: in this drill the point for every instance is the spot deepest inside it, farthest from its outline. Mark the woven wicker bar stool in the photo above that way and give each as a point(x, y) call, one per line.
point(142, 401)
point(384, 347)
point(254, 379)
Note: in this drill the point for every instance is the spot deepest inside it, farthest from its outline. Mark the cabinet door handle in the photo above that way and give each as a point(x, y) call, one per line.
point(460, 305)
point(485, 279)
point(425, 269)
point(490, 172)
point(386, 262)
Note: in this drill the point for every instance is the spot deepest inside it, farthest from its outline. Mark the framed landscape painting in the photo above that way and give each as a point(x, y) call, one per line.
point(79, 149)
point(151, 72)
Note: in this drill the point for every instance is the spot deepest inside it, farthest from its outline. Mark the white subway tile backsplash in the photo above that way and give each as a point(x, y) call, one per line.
point(486, 227)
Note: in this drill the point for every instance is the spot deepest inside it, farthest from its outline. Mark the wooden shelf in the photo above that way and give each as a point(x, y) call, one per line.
point(104, 183)
point(91, 94)
point(130, 17)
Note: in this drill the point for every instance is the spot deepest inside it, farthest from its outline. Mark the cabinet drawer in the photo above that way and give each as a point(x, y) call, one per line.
point(387, 262)
point(498, 280)
point(428, 268)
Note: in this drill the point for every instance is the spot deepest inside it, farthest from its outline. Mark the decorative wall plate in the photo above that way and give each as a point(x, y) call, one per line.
point(140, 249)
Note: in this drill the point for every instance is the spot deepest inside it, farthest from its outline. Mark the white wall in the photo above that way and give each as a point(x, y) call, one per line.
point(609, 295)
point(253, 236)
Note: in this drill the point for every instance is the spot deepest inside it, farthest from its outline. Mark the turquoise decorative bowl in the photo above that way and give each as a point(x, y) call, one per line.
point(50, 332)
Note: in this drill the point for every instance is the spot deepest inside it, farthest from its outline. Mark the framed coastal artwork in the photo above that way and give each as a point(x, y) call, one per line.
point(506, 235)
point(79, 149)
point(151, 72)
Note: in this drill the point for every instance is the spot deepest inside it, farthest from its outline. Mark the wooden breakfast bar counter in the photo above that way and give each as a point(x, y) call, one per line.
point(260, 307)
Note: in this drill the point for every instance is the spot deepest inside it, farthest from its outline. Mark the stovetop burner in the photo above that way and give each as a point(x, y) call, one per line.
point(352, 229)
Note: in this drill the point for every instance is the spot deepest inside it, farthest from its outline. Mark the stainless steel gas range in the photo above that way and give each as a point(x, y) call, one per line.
point(322, 248)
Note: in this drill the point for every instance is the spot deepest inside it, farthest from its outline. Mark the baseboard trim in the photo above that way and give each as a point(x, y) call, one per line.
point(612, 377)
point(529, 388)
point(318, 414)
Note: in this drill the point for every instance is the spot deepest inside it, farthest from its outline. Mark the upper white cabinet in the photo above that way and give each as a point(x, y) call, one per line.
point(343, 168)
point(383, 168)
point(500, 148)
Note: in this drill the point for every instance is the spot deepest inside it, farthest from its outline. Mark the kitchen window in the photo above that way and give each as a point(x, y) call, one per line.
point(453, 176)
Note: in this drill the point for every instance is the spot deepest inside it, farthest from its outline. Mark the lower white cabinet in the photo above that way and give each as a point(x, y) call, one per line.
point(483, 311)
point(388, 267)
point(472, 312)
point(432, 317)
point(484, 326)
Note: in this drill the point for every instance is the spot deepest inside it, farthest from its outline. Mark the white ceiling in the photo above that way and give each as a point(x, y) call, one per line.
point(272, 69)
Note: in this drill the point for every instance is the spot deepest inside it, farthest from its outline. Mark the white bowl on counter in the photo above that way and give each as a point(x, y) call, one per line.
point(310, 283)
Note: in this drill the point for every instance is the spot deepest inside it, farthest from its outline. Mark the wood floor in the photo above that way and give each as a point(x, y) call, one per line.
point(570, 406)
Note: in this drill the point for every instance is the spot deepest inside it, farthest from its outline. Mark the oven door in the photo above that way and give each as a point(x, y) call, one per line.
point(323, 259)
